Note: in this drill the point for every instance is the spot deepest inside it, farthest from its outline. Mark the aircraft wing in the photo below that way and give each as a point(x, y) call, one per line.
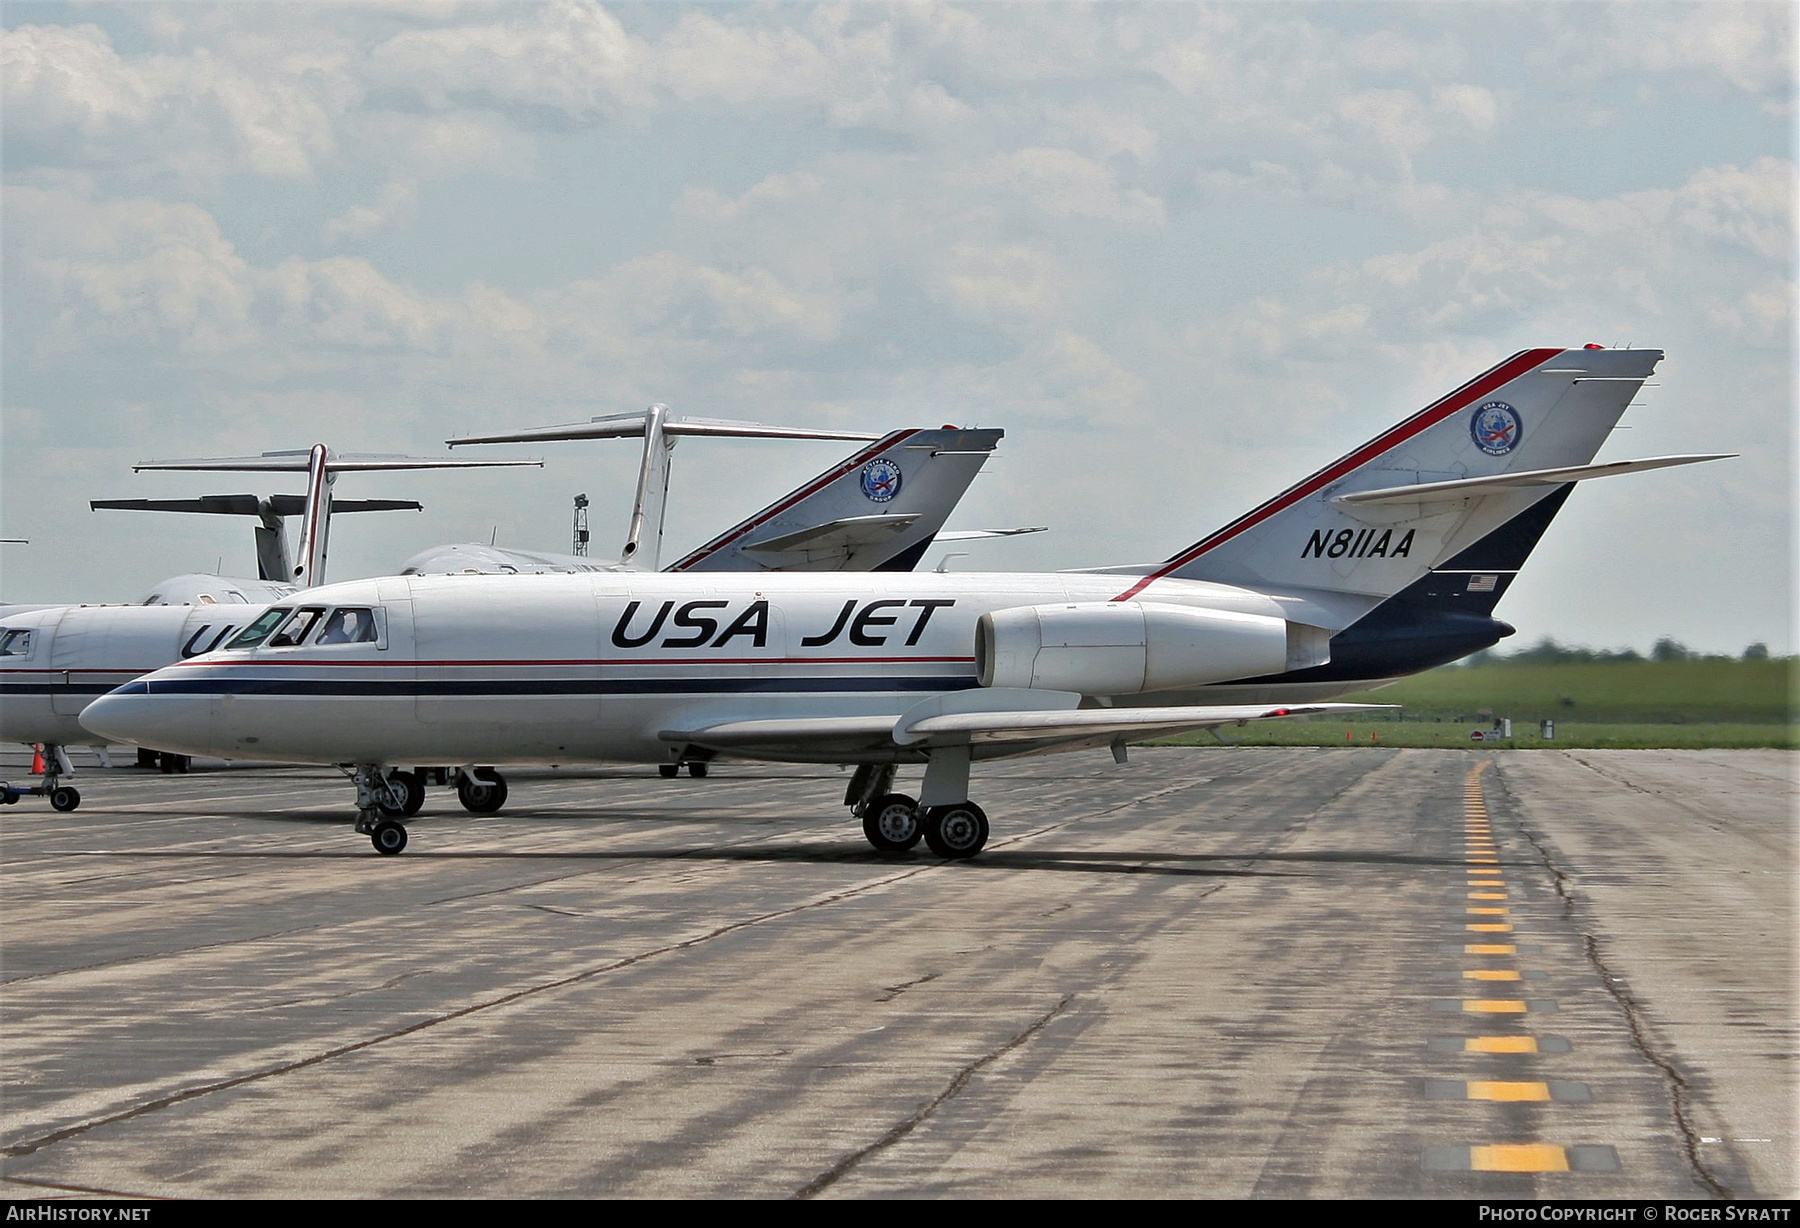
point(957, 728)
point(819, 739)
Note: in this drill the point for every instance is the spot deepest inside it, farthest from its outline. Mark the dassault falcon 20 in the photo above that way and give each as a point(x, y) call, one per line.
point(1387, 561)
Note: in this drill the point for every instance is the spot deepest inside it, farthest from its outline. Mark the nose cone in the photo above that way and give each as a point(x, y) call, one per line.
point(134, 713)
point(124, 715)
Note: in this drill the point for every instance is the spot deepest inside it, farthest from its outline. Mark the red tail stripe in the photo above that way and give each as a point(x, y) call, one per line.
point(1431, 415)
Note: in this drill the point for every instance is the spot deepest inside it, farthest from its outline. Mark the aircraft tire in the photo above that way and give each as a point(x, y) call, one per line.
point(668, 771)
point(64, 798)
point(408, 786)
point(696, 770)
point(892, 823)
point(388, 838)
point(482, 791)
point(956, 832)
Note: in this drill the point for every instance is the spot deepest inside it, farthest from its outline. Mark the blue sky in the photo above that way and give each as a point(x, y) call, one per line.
point(1184, 254)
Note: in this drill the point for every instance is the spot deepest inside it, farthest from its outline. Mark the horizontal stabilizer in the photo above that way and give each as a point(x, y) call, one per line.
point(969, 535)
point(250, 505)
point(631, 426)
point(1462, 488)
point(835, 535)
point(300, 462)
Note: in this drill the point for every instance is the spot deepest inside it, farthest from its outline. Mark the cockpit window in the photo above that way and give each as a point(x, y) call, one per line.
point(257, 631)
point(15, 643)
point(295, 629)
point(350, 625)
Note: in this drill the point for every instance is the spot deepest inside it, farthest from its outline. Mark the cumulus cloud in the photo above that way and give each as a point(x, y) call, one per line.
point(1260, 227)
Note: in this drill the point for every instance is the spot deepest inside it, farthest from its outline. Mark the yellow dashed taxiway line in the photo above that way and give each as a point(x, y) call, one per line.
point(1494, 1006)
point(1519, 1158)
point(1500, 1044)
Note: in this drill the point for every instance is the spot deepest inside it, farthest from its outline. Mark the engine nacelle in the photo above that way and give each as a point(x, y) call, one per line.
point(1126, 647)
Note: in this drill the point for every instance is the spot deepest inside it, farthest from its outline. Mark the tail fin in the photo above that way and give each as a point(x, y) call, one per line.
point(1440, 486)
point(878, 510)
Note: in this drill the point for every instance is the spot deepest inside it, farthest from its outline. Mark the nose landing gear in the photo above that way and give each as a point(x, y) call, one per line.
point(51, 764)
point(383, 794)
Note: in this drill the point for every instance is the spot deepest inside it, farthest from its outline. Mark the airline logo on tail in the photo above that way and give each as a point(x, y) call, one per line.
point(1496, 428)
point(880, 480)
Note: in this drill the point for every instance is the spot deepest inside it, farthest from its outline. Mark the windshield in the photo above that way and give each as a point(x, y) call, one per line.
point(257, 631)
point(295, 629)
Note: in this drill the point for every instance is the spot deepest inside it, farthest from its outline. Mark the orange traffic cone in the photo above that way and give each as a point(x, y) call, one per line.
point(37, 758)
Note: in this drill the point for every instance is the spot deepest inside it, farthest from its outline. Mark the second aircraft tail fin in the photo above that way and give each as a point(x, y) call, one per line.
point(877, 510)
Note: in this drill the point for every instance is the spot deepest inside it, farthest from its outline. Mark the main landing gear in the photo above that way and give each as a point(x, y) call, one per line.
point(695, 768)
point(385, 796)
point(894, 823)
point(51, 764)
point(165, 761)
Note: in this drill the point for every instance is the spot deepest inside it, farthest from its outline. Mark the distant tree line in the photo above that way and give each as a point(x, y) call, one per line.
point(1548, 652)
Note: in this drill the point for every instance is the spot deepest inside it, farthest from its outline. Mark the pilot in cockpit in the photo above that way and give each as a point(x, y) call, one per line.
point(348, 626)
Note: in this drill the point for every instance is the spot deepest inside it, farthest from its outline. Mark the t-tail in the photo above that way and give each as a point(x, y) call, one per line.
point(660, 432)
point(1403, 546)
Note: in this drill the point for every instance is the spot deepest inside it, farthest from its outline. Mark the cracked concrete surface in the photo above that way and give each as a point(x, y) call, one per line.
point(1213, 972)
point(1678, 869)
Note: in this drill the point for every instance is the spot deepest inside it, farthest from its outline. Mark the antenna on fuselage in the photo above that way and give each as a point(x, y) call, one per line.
point(660, 432)
point(315, 507)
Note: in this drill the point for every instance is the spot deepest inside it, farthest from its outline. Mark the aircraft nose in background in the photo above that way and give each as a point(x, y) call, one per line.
point(163, 722)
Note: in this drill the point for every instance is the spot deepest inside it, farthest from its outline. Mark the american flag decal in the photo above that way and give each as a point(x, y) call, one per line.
point(1483, 583)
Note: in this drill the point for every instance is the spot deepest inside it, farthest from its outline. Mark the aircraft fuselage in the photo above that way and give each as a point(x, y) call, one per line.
point(560, 669)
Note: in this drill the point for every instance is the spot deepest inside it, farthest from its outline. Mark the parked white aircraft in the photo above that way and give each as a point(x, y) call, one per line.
point(877, 509)
point(1385, 562)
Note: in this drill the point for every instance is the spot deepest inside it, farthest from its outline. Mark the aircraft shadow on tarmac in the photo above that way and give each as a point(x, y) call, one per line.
point(1161, 862)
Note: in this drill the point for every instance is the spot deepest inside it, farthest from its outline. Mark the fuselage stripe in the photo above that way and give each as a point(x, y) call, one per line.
point(427, 688)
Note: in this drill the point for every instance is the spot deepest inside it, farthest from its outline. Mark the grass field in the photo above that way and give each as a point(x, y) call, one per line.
point(1651, 704)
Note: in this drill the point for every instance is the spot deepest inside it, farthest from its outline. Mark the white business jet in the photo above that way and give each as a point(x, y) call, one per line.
point(1387, 561)
point(877, 509)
